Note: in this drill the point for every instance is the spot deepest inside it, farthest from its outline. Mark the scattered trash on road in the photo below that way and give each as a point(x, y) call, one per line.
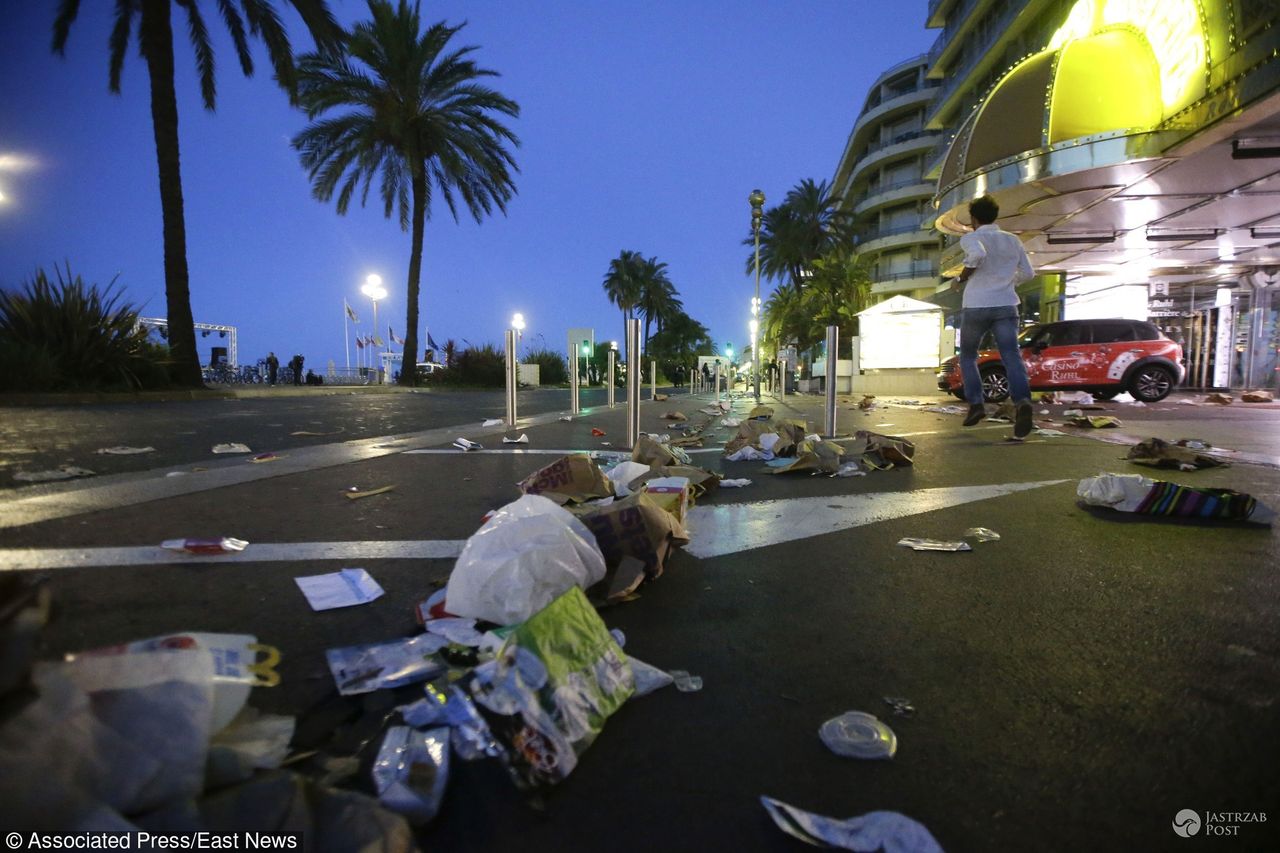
point(1051, 433)
point(354, 495)
point(598, 433)
point(492, 422)
point(266, 457)
point(982, 534)
point(891, 832)
point(467, 444)
point(231, 447)
point(1219, 399)
point(1143, 496)
point(343, 588)
point(933, 544)
point(734, 483)
point(411, 771)
point(685, 682)
point(311, 433)
point(374, 666)
point(523, 439)
point(566, 418)
point(1257, 397)
point(1095, 422)
point(64, 472)
point(850, 469)
point(570, 479)
point(220, 545)
point(730, 422)
point(900, 706)
point(121, 450)
point(675, 416)
point(1160, 454)
point(857, 734)
point(1194, 443)
point(1077, 397)
point(526, 555)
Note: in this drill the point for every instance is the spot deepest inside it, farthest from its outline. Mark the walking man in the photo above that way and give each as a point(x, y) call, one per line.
point(273, 367)
point(994, 265)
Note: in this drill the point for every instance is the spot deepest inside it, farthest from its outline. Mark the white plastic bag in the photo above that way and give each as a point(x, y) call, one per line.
point(525, 556)
point(623, 473)
point(1122, 492)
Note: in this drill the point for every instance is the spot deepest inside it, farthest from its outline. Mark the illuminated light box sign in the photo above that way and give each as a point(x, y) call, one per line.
point(900, 333)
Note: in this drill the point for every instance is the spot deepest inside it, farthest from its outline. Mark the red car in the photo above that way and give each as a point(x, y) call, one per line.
point(1103, 357)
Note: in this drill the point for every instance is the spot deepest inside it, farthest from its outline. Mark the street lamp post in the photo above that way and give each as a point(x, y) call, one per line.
point(374, 290)
point(757, 213)
point(513, 366)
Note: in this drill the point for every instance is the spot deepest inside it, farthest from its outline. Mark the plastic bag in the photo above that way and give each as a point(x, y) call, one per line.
point(373, 666)
point(411, 771)
point(526, 555)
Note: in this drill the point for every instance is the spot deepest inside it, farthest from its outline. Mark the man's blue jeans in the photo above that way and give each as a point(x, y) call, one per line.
point(1002, 322)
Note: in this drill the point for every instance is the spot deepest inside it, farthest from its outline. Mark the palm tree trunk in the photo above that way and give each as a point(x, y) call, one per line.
point(157, 47)
point(408, 366)
point(645, 348)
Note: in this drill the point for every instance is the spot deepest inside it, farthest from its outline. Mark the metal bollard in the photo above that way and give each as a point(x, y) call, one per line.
point(716, 378)
point(573, 381)
point(782, 376)
point(653, 380)
point(513, 377)
point(613, 358)
point(633, 382)
point(833, 355)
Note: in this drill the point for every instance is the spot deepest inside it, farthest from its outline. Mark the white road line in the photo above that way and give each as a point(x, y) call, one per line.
point(537, 451)
point(730, 528)
point(34, 559)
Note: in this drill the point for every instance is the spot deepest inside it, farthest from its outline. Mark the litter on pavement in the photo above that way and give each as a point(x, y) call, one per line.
point(374, 666)
point(1143, 496)
point(467, 444)
point(65, 472)
point(933, 544)
point(354, 494)
point(411, 770)
point(891, 832)
point(1156, 453)
point(857, 734)
point(900, 706)
point(685, 682)
point(218, 545)
point(343, 588)
point(265, 457)
point(231, 447)
point(734, 483)
point(982, 534)
point(675, 416)
point(122, 450)
point(523, 439)
point(492, 422)
point(1095, 422)
point(1257, 397)
point(598, 433)
point(1219, 399)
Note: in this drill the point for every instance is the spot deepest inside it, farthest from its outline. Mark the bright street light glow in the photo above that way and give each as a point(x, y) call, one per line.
point(373, 287)
point(517, 322)
point(755, 326)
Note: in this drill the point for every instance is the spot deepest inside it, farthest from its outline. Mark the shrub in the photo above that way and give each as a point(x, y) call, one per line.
point(553, 368)
point(483, 366)
point(66, 335)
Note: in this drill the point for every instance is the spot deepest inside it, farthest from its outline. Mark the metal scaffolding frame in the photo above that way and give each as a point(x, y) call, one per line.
point(229, 332)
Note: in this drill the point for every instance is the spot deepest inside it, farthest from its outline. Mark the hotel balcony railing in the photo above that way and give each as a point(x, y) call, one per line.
point(921, 271)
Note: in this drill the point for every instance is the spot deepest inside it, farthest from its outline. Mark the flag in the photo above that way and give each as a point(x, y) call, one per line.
point(378, 341)
point(350, 313)
point(432, 343)
point(393, 337)
point(359, 343)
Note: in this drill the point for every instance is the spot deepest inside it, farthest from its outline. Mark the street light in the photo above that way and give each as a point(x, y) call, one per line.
point(517, 323)
point(757, 213)
point(374, 290)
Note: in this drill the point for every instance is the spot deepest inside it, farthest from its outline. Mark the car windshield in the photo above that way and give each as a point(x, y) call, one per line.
point(1024, 338)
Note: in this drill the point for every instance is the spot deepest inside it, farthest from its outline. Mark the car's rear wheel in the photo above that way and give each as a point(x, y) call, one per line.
point(995, 384)
point(958, 393)
point(1151, 383)
point(1105, 395)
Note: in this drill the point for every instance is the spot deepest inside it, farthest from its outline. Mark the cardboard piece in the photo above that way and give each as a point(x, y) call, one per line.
point(653, 453)
point(867, 402)
point(761, 413)
point(1096, 422)
point(790, 434)
point(700, 480)
point(675, 416)
point(880, 452)
point(625, 580)
point(1220, 399)
point(1157, 453)
point(673, 494)
point(816, 456)
point(1257, 397)
point(634, 527)
point(570, 479)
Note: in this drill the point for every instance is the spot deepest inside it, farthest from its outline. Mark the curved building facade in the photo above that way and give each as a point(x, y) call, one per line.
point(882, 181)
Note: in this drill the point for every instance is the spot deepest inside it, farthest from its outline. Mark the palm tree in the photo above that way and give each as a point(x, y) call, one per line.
point(680, 342)
point(805, 226)
point(155, 42)
point(623, 283)
point(450, 352)
point(419, 120)
point(839, 289)
point(658, 300)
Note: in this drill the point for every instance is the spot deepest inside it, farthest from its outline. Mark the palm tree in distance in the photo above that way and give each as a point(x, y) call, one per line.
point(155, 41)
point(658, 300)
point(416, 117)
point(623, 284)
point(805, 226)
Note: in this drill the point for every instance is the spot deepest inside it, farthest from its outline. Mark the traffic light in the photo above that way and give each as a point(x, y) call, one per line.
point(586, 349)
point(728, 350)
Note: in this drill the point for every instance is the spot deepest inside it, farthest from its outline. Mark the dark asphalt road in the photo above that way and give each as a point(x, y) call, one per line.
point(1077, 683)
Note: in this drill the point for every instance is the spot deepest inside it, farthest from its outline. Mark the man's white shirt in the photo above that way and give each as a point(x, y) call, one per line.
point(999, 263)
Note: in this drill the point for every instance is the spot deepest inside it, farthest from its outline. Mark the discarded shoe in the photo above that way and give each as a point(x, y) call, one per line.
point(977, 412)
point(1022, 421)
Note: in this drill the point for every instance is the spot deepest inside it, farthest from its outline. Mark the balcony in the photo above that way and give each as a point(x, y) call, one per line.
point(919, 277)
point(982, 57)
point(883, 152)
point(884, 195)
point(895, 236)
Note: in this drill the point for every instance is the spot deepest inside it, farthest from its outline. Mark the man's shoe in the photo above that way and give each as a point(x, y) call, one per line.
point(977, 412)
point(1022, 421)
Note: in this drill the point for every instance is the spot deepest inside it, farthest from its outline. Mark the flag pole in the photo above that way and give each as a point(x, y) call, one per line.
point(346, 335)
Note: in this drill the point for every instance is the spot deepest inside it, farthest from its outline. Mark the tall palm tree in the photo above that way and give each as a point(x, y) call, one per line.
point(417, 118)
point(155, 41)
point(623, 283)
point(805, 226)
point(658, 299)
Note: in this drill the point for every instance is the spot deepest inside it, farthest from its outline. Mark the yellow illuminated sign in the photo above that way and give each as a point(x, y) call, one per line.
point(1173, 28)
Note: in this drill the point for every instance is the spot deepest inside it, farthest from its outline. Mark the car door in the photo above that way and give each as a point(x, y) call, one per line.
point(1116, 346)
point(1057, 354)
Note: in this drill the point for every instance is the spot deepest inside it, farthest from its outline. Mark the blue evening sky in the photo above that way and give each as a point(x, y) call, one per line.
point(644, 126)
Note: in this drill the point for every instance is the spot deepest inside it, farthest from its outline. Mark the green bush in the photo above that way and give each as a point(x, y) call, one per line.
point(483, 367)
point(66, 335)
point(553, 368)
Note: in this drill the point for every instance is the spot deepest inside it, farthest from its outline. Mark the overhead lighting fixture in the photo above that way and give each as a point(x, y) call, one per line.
point(1265, 233)
point(1255, 148)
point(1066, 238)
point(1175, 235)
